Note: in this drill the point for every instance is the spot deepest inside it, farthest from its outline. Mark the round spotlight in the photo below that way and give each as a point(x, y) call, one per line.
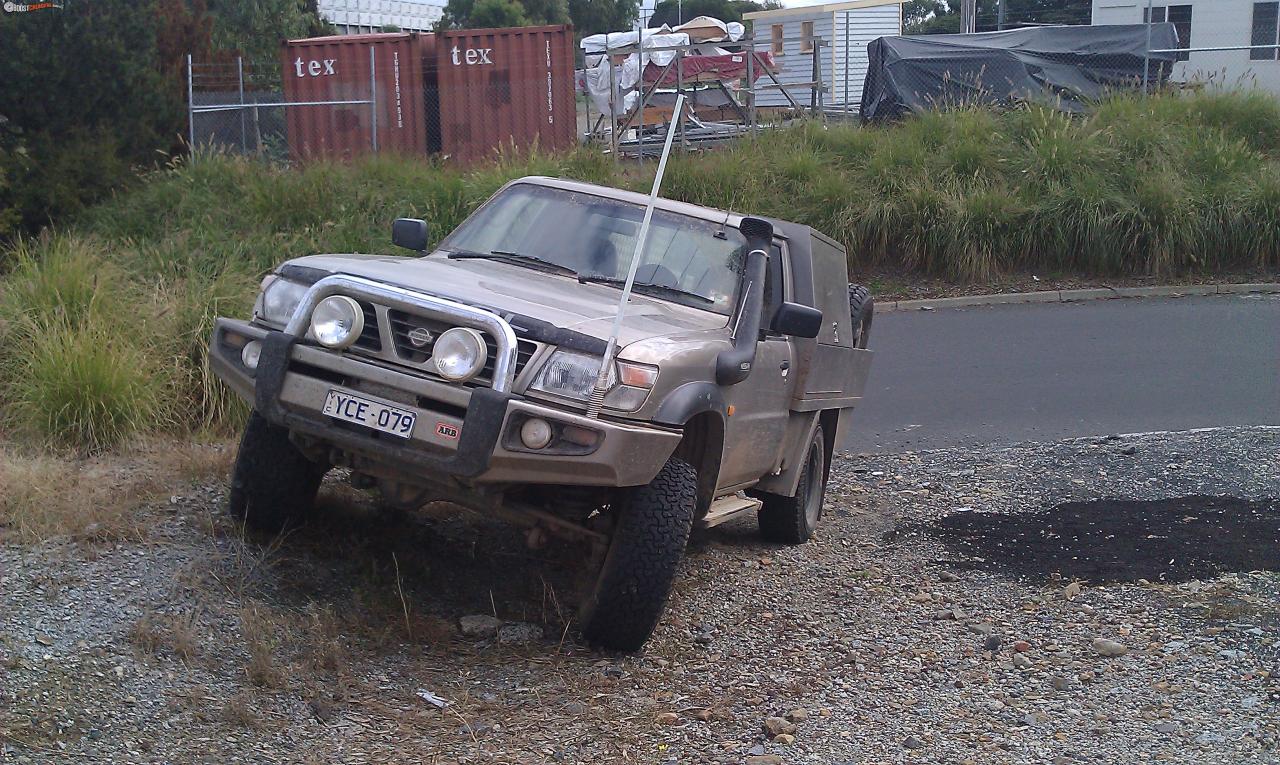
point(337, 321)
point(459, 353)
point(535, 433)
point(250, 353)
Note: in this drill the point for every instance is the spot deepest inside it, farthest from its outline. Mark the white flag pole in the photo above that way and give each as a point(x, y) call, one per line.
point(606, 363)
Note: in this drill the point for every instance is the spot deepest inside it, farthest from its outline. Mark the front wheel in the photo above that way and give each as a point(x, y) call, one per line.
point(652, 528)
point(792, 520)
point(273, 484)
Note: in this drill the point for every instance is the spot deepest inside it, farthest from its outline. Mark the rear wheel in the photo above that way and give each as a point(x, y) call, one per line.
point(649, 537)
point(792, 520)
point(273, 484)
point(861, 310)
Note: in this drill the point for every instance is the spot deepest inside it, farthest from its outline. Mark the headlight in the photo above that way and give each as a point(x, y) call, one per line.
point(573, 375)
point(337, 321)
point(569, 374)
point(459, 354)
point(279, 299)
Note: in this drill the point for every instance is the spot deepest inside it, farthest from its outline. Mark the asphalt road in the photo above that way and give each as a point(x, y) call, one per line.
point(1004, 374)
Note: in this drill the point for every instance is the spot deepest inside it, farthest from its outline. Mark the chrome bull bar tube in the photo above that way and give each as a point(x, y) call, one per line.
point(407, 300)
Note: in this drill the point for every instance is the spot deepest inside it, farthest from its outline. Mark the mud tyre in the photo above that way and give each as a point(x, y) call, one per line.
point(630, 592)
point(273, 484)
point(862, 310)
point(792, 520)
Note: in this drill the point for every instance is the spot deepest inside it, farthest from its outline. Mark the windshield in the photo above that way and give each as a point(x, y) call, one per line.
point(594, 236)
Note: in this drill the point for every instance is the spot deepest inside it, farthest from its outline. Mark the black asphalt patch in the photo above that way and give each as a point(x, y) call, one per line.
point(1121, 540)
point(1001, 374)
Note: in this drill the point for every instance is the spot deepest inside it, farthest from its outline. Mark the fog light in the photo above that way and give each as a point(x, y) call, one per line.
point(250, 353)
point(459, 354)
point(535, 433)
point(337, 321)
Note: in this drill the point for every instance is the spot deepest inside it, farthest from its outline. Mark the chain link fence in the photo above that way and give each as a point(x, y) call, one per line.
point(237, 106)
point(1220, 45)
point(472, 98)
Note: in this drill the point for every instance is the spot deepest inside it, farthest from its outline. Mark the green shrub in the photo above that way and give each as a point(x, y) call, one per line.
point(53, 281)
point(84, 388)
point(199, 399)
point(1251, 116)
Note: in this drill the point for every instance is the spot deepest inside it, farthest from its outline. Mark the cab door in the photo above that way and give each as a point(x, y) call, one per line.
point(760, 406)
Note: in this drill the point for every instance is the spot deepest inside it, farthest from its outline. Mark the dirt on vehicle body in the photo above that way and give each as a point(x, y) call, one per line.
point(473, 375)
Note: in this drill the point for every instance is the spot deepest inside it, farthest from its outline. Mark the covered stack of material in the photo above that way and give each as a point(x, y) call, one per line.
point(729, 67)
point(644, 54)
point(1066, 67)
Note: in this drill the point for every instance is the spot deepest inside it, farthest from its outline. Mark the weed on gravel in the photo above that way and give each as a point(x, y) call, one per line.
point(98, 498)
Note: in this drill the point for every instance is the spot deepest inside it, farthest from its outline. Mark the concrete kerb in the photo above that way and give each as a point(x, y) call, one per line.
point(1072, 296)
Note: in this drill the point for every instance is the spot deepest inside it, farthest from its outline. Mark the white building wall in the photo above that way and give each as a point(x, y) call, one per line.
point(362, 16)
point(1214, 23)
point(796, 67)
point(854, 30)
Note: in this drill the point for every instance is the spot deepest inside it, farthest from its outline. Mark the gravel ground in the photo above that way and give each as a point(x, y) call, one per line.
point(897, 635)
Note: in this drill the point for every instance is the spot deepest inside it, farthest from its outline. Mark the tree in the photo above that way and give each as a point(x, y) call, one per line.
point(483, 14)
point(497, 13)
point(254, 28)
point(95, 90)
point(547, 11)
point(918, 12)
point(676, 12)
point(930, 17)
point(940, 16)
point(595, 16)
point(83, 99)
point(587, 16)
point(182, 29)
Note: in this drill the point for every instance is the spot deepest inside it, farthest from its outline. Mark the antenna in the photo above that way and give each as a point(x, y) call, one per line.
point(606, 362)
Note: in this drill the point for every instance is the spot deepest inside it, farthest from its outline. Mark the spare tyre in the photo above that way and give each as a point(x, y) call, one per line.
point(861, 309)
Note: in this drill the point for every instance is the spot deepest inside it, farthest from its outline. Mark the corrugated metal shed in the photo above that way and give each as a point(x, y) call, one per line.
point(502, 88)
point(337, 68)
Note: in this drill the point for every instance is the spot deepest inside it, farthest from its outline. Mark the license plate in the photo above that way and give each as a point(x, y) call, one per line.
point(371, 414)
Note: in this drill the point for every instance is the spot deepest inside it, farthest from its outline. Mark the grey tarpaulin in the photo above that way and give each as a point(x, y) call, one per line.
point(1065, 66)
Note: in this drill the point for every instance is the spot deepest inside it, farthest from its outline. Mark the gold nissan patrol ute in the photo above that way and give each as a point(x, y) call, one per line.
point(507, 372)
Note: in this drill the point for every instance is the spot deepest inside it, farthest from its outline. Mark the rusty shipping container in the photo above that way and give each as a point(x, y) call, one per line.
point(502, 88)
point(337, 69)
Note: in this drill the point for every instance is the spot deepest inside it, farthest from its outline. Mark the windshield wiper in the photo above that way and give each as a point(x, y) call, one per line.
point(519, 258)
point(642, 286)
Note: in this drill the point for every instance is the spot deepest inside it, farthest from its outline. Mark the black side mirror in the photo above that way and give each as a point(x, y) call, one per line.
point(795, 320)
point(409, 233)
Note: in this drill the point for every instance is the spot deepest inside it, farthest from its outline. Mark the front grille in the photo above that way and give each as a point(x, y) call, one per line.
point(524, 351)
point(369, 339)
point(411, 347)
point(413, 338)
